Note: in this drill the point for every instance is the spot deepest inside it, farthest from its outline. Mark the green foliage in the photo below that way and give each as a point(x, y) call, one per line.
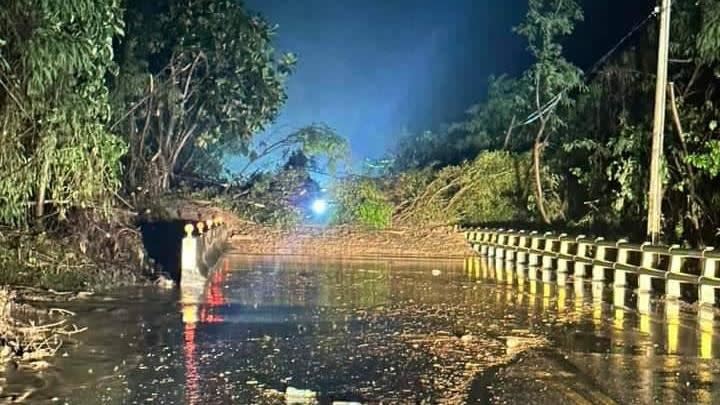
point(361, 202)
point(709, 159)
point(546, 22)
point(491, 188)
point(55, 148)
point(198, 80)
point(317, 143)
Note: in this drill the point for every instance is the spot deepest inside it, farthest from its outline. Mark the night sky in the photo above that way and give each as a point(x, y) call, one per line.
point(373, 68)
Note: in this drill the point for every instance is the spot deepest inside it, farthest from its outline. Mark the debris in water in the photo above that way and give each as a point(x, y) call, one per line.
point(299, 396)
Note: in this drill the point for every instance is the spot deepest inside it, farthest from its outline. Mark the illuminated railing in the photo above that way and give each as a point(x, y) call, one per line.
point(553, 255)
point(202, 245)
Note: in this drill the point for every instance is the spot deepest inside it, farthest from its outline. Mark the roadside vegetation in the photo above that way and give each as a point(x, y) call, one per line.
point(559, 148)
point(109, 108)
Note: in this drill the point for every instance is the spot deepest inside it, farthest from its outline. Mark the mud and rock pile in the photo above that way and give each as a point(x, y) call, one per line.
point(437, 243)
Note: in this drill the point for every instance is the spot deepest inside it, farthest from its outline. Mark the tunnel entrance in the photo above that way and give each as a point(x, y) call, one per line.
point(163, 242)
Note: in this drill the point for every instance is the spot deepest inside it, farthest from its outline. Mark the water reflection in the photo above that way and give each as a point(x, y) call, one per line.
point(657, 353)
point(262, 324)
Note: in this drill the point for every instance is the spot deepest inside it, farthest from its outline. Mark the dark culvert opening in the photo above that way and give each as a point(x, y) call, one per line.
point(163, 242)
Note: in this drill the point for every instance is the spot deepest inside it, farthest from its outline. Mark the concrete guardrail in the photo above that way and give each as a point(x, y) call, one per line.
point(203, 244)
point(556, 256)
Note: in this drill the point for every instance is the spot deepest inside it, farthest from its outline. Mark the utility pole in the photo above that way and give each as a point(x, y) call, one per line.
point(655, 192)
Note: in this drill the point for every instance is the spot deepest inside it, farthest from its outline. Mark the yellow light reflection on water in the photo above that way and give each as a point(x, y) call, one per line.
point(619, 319)
point(645, 325)
point(562, 297)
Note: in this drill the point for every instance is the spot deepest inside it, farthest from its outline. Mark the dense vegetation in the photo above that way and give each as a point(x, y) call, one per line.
point(587, 135)
point(107, 105)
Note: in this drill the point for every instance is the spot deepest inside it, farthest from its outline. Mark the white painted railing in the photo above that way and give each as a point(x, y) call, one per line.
point(201, 247)
point(553, 255)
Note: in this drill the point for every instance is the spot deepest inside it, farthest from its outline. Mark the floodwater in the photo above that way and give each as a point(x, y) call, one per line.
point(271, 330)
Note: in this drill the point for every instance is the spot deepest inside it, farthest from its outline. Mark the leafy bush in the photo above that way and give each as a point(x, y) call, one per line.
point(491, 188)
point(361, 202)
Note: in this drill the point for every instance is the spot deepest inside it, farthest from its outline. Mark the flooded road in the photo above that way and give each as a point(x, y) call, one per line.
point(370, 332)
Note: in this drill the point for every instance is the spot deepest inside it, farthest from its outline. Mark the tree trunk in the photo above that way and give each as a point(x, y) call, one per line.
point(44, 179)
point(537, 157)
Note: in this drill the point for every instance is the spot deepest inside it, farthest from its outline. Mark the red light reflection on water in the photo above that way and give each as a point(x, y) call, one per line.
point(214, 297)
point(192, 374)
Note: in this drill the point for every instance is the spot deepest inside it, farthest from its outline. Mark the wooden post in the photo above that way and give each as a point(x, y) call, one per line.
point(655, 192)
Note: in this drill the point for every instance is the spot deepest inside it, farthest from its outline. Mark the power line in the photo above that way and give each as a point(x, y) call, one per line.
point(550, 105)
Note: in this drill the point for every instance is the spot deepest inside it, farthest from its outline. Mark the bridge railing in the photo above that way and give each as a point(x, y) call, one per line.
point(598, 258)
point(202, 245)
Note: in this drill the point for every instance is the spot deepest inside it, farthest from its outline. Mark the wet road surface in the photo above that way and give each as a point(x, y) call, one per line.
point(371, 332)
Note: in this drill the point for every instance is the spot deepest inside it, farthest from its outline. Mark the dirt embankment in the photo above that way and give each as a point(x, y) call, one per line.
point(438, 243)
point(340, 241)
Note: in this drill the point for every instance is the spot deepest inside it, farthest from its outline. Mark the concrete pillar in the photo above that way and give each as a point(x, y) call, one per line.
point(189, 253)
point(509, 275)
point(706, 293)
point(547, 263)
point(532, 273)
point(562, 279)
point(598, 287)
point(499, 267)
point(547, 275)
point(563, 265)
point(619, 295)
point(561, 301)
point(644, 280)
point(580, 266)
point(598, 270)
point(579, 286)
point(521, 274)
point(620, 280)
point(500, 253)
point(534, 255)
point(643, 302)
point(534, 259)
point(521, 258)
point(672, 290)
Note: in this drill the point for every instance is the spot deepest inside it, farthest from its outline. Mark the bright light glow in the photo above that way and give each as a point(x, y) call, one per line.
point(319, 206)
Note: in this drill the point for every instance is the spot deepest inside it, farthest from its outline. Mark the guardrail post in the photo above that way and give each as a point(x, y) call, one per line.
point(512, 243)
point(675, 266)
point(549, 258)
point(706, 293)
point(582, 253)
point(620, 279)
point(534, 254)
point(189, 253)
point(500, 247)
point(484, 240)
point(600, 255)
point(563, 263)
point(648, 262)
point(521, 257)
point(491, 245)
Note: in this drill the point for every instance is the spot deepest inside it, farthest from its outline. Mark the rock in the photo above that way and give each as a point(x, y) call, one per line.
point(165, 282)
point(299, 396)
point(467, 338)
